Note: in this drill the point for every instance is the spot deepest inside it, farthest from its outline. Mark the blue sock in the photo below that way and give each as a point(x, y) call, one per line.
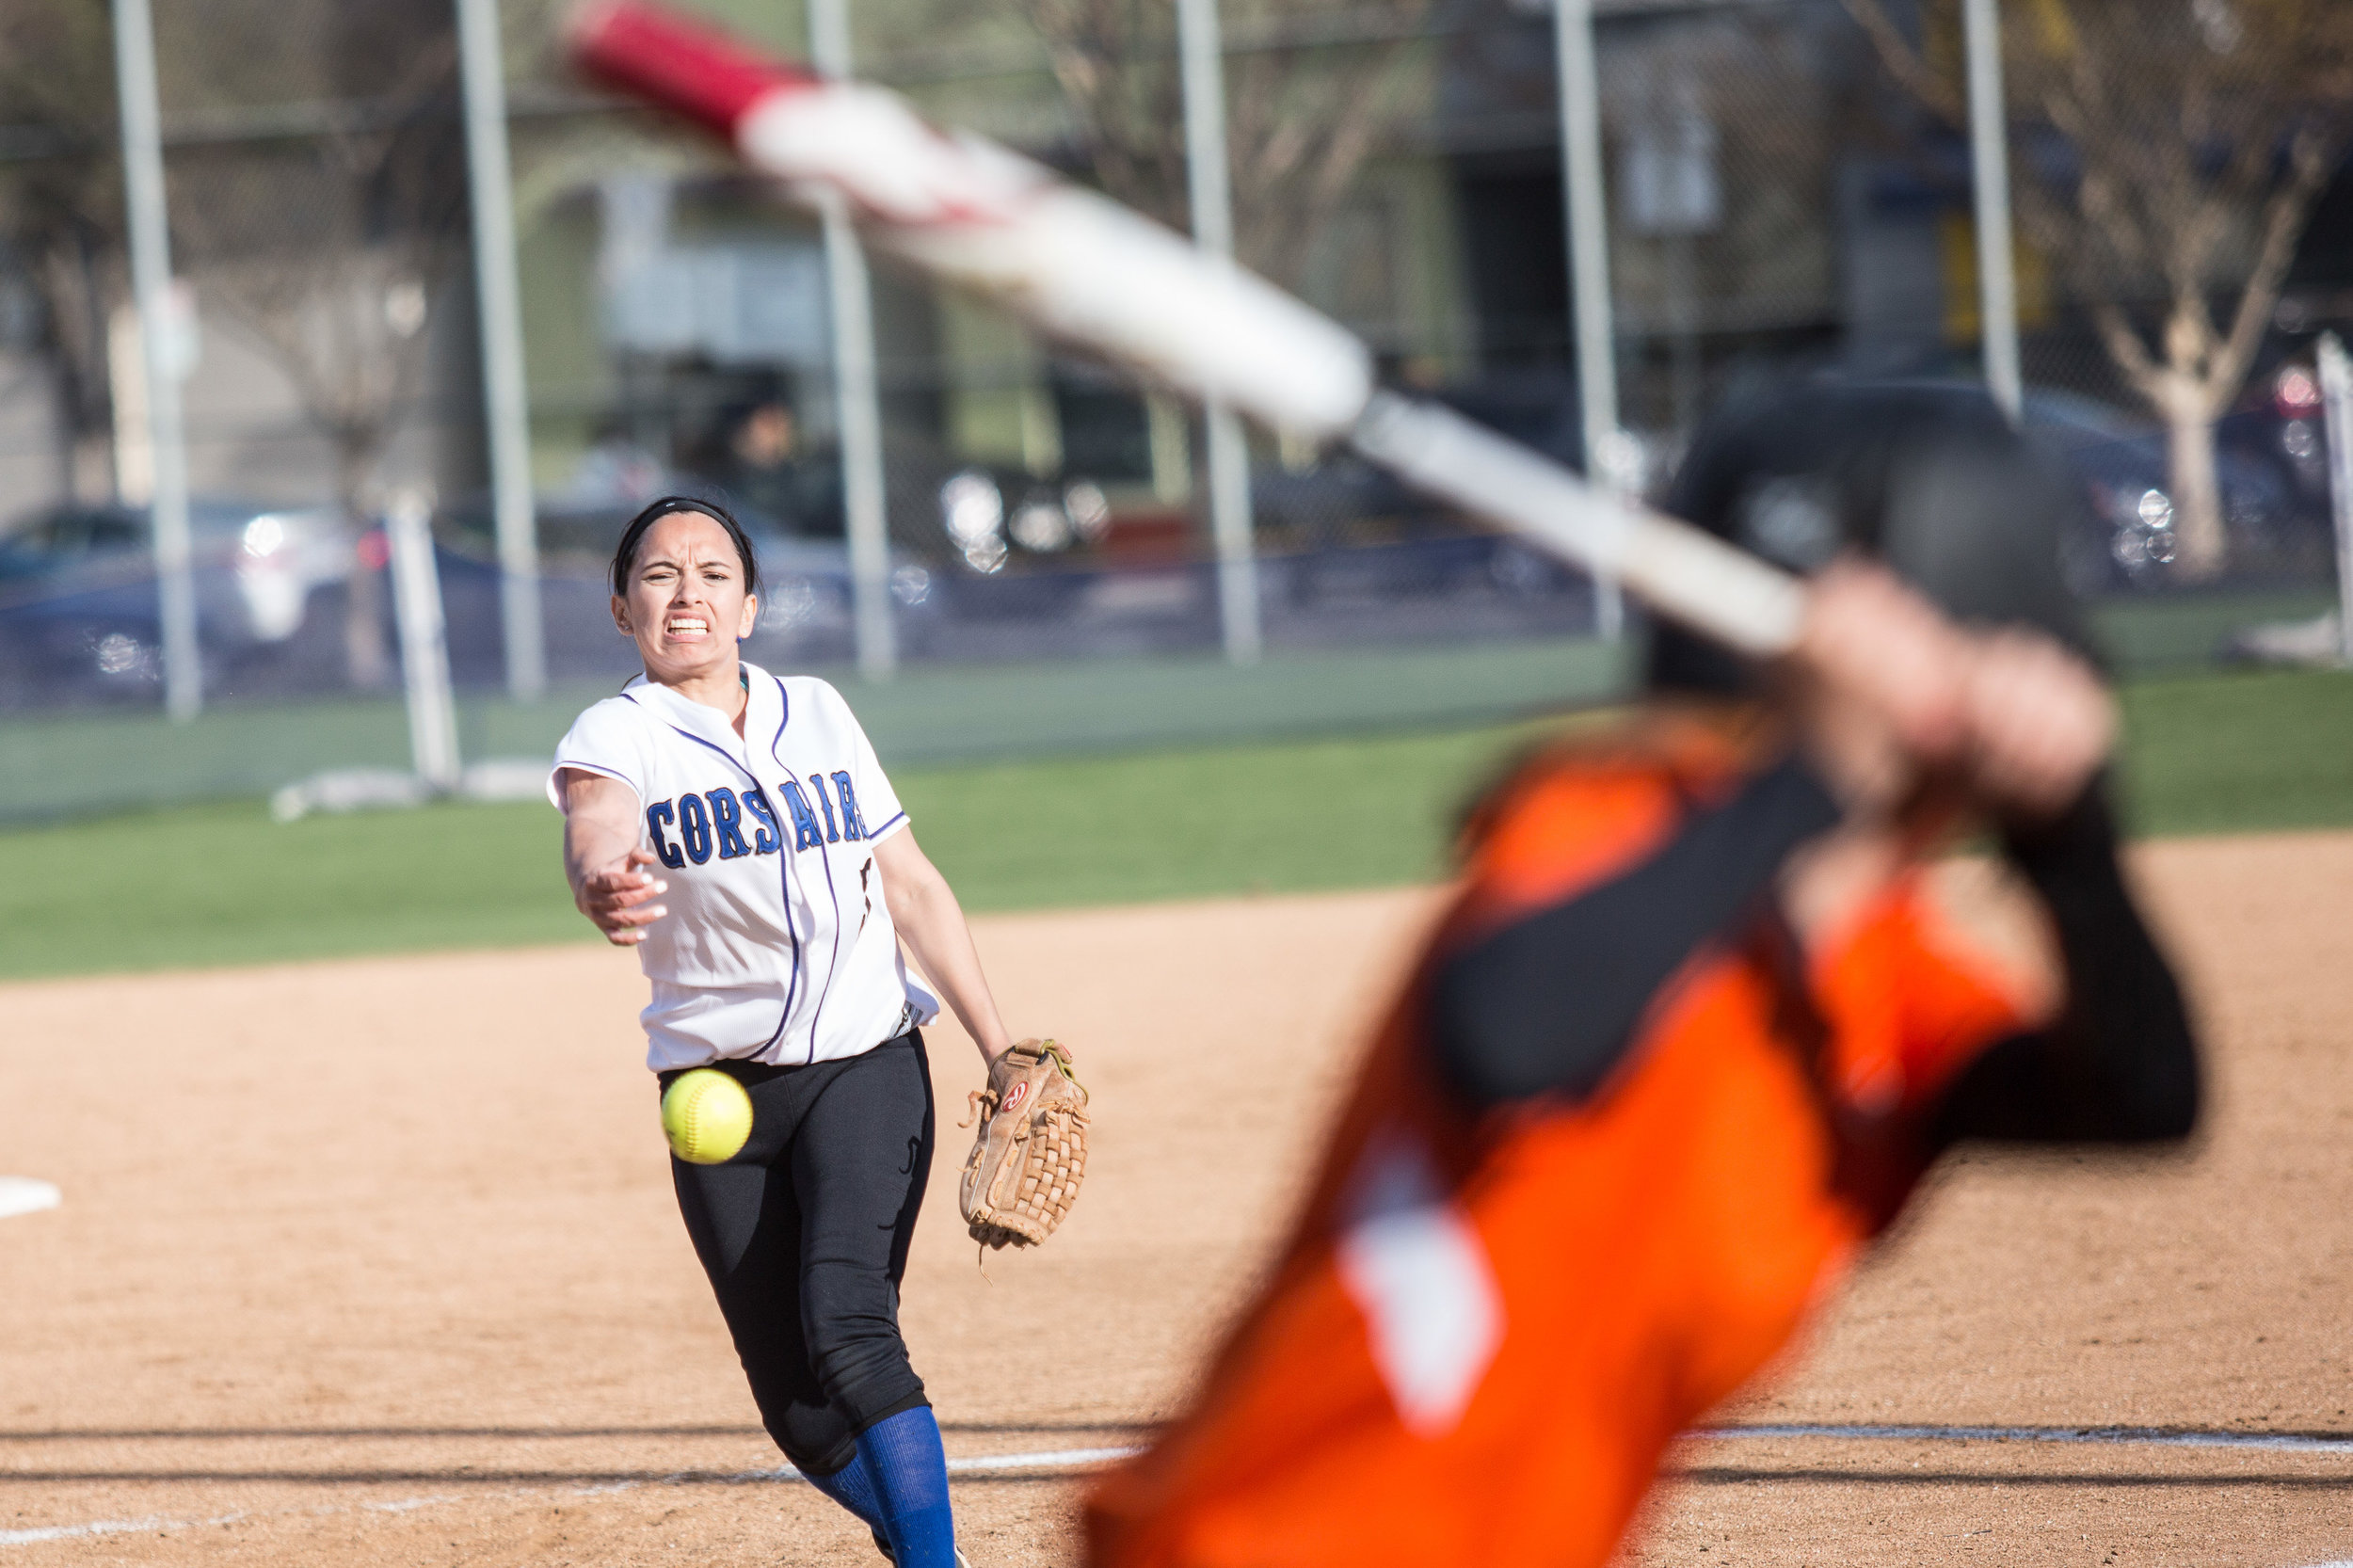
point(853, 1488)
point(903, 1457)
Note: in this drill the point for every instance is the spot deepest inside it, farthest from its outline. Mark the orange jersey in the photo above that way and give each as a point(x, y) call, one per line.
point(1488, 1328)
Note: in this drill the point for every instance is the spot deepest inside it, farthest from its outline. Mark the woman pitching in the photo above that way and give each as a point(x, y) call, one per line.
point(735, 827)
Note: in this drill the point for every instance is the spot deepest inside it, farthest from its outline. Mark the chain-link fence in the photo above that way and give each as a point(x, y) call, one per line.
point(1792, 188)
point(1789, 190)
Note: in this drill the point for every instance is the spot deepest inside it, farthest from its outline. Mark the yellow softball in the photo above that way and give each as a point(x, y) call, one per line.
point(706, 1116)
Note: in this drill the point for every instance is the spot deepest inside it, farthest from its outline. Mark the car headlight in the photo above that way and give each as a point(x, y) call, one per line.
point(985, 556)
point(971, 509)
point(787, 604)
point(1089, 510)
point(1041, 526)
point(2297, 392)
point(265, 536)
point(911, 585)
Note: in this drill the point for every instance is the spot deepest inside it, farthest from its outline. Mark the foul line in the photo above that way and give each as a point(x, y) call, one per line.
point(107, 1527)
point(2137, 1437)
point(1067, 1458)
point(1057, 1459)
point(27, 1196)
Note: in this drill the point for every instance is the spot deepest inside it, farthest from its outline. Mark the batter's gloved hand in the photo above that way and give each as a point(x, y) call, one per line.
point(1031, 1154)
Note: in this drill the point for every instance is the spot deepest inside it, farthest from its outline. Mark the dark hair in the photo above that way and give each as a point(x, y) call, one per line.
point(625, 555)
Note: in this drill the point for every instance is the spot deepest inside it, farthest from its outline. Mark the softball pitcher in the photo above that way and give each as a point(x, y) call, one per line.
point(735, 827)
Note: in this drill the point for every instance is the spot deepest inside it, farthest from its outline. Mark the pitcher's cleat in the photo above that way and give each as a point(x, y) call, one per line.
point(882, 1544)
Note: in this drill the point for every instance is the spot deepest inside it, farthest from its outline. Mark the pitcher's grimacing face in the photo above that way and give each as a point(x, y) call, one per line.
point(688, 604)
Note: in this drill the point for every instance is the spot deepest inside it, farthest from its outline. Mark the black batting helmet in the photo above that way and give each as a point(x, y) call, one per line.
point(1929, 478)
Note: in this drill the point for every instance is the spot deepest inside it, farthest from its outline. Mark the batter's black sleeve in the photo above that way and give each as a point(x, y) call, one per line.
point(2119, 1063)
point(1550, 1002)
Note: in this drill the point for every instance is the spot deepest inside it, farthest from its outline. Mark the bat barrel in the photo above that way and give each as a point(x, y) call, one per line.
point(692, 69)
point(1078, 267)
point(1092, 274)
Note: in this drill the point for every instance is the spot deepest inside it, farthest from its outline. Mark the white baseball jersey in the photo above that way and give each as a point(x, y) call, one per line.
point(778, 946)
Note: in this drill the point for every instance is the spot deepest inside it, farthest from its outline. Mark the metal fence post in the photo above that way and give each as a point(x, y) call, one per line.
point(1588, 212)
point(858, 396)
point(1989, 153)
point(2336, 386)
point(1199, 54)
point(424, 639)
point(504, 394)
point(151, 284)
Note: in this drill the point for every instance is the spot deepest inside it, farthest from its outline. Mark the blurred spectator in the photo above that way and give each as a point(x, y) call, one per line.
point(767, 469)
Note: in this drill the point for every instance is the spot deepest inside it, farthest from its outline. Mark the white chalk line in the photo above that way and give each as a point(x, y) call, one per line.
point(25, 1195)
point(108, 1526)
point(1070, 1457)
point(2139, 1437)
point(1057, 1459)
point(1051, 1460)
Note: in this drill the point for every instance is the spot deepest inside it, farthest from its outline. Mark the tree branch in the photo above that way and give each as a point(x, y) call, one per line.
point(2283, 224)
point(1905, 63)
point(2131, 355)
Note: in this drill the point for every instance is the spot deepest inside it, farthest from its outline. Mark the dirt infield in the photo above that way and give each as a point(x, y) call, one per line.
point(376, 1263)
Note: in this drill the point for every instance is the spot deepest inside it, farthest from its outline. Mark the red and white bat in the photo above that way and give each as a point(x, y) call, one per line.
point(1090, 273)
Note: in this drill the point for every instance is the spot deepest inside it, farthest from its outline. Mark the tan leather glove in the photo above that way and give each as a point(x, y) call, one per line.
point(1031, 1154)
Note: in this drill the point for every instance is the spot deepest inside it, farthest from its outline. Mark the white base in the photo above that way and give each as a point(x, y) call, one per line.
point(23, 1195)
point(2317, 643)
point(382, 789)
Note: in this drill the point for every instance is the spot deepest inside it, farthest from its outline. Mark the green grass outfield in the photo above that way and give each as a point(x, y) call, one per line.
point(220, 884)
point(59, 765)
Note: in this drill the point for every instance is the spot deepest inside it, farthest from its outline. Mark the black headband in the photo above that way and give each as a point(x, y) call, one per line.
point(625, 555)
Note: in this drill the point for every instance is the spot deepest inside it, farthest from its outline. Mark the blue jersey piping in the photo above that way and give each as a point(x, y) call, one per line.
point(817, 1012)
point(784, 881)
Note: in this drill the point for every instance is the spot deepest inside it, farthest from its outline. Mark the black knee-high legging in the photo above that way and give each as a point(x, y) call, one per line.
point(805, 1237)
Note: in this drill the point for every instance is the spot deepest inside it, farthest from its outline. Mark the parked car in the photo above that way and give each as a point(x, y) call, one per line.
point(993, 515)
point(2281, 420)
point(2126, 537)
point(2121, 461)
point(78, 601)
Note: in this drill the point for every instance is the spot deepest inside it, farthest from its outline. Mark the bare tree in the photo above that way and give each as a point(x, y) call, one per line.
point(317, 185)
point(1311, 92)
point(324, 244)
point(61, 198)
point(2203, 131)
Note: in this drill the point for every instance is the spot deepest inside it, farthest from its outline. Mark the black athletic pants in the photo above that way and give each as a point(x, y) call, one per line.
point(805, 1237)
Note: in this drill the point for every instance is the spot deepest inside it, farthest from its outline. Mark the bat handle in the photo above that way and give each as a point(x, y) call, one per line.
point(1720, 592)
